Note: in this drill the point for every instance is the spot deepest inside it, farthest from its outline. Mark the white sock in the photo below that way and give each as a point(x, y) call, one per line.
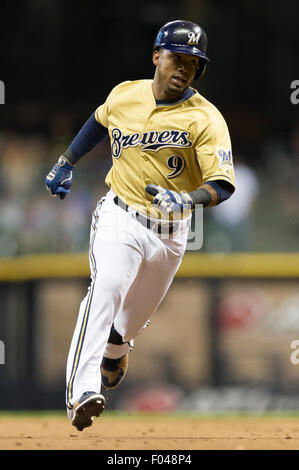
point(114, 351)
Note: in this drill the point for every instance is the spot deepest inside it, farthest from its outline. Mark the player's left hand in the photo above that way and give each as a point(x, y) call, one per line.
point(170, 203)
point(59, 180)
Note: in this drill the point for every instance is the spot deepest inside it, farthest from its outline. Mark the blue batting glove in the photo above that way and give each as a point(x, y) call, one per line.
point(59, 180)
point(170, 202)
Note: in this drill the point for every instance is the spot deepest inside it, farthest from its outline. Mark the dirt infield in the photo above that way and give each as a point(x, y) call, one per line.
point(54, 432)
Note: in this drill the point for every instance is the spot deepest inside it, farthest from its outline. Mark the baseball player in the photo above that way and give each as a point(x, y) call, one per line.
point(170, 151)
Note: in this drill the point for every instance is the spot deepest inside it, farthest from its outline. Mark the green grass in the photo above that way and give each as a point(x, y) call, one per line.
point(108, 414)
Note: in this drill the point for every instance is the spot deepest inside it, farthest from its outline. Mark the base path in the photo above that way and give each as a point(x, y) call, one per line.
point(149, 432)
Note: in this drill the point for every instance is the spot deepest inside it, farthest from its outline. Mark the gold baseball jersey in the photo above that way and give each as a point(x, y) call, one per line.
point(177, 146)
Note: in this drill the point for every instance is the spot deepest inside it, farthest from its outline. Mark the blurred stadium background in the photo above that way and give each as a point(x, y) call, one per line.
point(221, 339)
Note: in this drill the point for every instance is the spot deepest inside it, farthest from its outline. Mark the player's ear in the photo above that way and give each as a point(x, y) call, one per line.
point(156, 56)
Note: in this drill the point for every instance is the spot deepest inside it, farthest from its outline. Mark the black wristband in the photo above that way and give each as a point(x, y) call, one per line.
point(201, 196)
point(70, 156)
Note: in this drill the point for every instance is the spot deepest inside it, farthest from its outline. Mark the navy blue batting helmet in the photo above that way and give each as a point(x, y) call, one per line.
point(184, 37)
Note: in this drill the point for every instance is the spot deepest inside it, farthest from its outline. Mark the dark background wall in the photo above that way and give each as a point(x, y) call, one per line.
point(67, 55)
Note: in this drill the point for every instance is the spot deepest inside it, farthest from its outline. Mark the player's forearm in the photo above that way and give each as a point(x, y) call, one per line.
point(202, 195)
point(90, 135)
point(212, 193)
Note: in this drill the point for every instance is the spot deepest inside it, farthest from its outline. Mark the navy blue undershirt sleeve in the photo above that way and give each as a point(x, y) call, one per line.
point(223, 189)
point(90, 135)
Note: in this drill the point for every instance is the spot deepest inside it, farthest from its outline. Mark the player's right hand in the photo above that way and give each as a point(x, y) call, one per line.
point(59, 180)
point(169, 202)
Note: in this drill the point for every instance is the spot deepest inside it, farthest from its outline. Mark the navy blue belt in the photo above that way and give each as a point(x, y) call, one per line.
point(157, 227)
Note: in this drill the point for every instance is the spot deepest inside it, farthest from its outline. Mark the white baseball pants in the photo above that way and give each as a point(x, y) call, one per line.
point(132, 268)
